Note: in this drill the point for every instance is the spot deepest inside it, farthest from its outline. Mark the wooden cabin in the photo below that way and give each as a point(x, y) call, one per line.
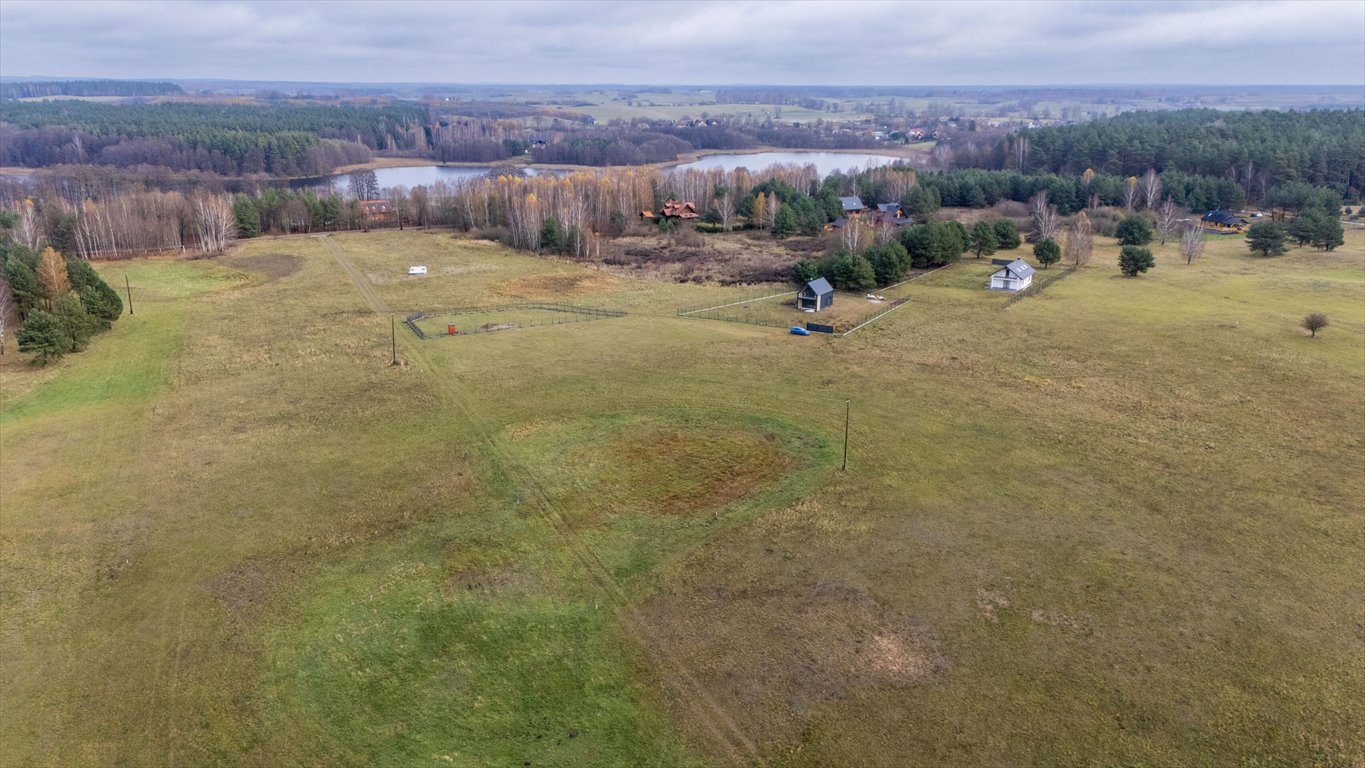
point(1223, 222)
point(853, 206)
point(679, 210)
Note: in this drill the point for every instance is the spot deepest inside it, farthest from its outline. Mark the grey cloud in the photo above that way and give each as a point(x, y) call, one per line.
point(874, 43)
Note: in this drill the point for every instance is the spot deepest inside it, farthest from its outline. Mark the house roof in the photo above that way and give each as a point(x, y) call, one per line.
point(853, 203)
point(839, 222)
point(819, 286)
point(1222, 217)
point(1018, 268)
point(682, 210)
point(888, 207)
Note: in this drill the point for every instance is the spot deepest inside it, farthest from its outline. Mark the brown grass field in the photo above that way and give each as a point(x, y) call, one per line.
point(1117, 522)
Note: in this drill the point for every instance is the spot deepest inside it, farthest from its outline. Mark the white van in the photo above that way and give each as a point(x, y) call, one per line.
point(418, 270)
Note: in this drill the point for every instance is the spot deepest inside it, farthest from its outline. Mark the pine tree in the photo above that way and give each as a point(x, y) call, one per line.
point(1133, 260)
point(44, 337)
point(1047, 252)
point(75, 321)
point(984, 241)
point(784, 223)
point(1266, 238)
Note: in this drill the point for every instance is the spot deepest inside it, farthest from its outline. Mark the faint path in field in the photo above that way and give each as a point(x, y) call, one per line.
point(722, 730)
point(362, 284)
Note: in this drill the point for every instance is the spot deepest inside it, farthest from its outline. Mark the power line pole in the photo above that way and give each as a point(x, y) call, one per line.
point(129, 290)
point(393, 339)
point(846, 412)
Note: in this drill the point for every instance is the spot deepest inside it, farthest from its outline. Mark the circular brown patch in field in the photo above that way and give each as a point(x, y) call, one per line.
point(273, 265)
point(682, 470)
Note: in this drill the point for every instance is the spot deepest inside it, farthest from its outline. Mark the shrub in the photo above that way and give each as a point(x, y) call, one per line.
point(1134, 230)
point(1047, 252)
point(1134, 260)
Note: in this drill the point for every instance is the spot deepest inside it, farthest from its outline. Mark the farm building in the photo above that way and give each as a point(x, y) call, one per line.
point(1012, 276)
point(852, 205)
point(1222, 221)
point(817, 295)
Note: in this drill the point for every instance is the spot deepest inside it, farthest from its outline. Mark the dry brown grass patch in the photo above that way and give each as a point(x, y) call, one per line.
point(557, 286)
point(273, 265)
point(777, 655)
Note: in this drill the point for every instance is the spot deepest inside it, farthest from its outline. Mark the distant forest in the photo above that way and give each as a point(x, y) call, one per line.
point(1255, 151)
point(1205, 158)
point(231, 140)
point(88, 88)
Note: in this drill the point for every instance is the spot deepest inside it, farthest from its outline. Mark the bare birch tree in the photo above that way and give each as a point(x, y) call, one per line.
point(1151, 189)
point(1046, 223)
point(1192, 242)
point(1080, 241)
point(28, 232)
point(851, 236)
point(8, 311)
point(725, 206)
point(1167, 219)
point(215, 222)
point(1130, 194)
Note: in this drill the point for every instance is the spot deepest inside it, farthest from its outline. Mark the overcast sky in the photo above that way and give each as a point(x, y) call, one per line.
point(872, 43)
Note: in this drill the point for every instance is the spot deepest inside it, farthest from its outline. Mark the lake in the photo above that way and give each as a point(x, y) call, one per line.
point(412, 176)
point(427, 175)
point(825, 162)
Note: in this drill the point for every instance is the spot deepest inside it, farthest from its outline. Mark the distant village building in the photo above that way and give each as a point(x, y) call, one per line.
point(1222, 222)
point(1012, 276)
point(375, 211)
point(817, 295)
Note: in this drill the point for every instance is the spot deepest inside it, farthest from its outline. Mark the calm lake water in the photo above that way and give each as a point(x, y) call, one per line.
point(825, 162)
point(426, 175)
point(414, 176)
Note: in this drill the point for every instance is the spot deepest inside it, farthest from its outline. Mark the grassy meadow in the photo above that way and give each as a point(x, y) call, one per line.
point(1115, 522)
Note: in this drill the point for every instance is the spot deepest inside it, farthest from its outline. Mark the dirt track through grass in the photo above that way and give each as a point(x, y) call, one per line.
point(726, 735)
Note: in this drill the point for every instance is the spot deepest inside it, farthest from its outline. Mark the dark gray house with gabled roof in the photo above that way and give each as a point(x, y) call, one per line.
point(817, 295)
point(852, 204)
point(1222, 221)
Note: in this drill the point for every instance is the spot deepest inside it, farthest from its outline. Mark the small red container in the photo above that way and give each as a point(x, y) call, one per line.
point(450, 329)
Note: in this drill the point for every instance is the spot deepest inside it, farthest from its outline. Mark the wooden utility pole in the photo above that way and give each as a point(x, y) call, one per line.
point(846, 412)
point(129, 290)
point(393, 339)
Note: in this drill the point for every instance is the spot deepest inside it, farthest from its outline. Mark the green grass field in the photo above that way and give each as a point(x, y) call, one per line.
point(1117, 522)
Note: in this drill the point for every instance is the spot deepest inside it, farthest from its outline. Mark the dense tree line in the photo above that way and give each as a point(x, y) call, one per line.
point(88, 88)
point(225, 139)
point(1256, 151)
point(612, 146)
point(56, 303)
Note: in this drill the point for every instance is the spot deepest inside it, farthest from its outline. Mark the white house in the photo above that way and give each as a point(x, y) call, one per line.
point(1012, 276)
